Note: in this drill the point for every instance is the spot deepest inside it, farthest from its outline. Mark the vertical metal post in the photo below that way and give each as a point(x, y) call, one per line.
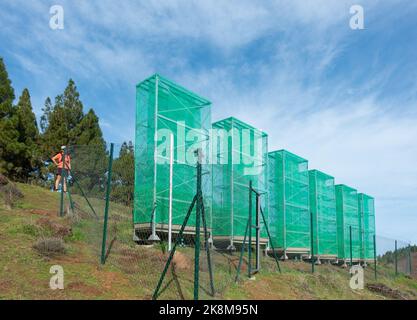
point(106, 208)
point(312, 241)
point(242, 251)
point(250, 231)
point(197, 227)
point(396, 259)
point(375, 255)
point(154, 236)
point(171, 160)
point(409, 260)
point(350, 242)
point(232, 189)
point(258, 233)
point(70, 199)
point(171, 254)
point(63, 183)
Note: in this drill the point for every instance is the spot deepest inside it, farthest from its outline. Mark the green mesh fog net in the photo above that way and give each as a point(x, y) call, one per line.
point(239, 156)
point(289, 215)
point(323, 209)
point(163, 109)
point(367, 218)
point(348, 223)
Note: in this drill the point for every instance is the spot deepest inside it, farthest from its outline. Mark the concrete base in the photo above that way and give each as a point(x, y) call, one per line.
point(135, 237)
point(154, 237)
point(231, 247)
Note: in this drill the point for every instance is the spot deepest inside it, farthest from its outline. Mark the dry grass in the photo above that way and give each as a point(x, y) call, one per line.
point(50, 247)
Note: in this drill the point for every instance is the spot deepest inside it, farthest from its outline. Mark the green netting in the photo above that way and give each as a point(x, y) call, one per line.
point(164, 108)
point(348, 220)
point(239, 156)
point(323, 208)
point(367, 218)
point(289, 216)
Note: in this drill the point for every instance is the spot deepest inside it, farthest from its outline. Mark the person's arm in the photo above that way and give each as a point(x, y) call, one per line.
point(55, 158)
point(68, 163)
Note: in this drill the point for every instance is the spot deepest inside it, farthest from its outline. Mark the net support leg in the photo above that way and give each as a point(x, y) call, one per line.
point(207, 245)
point(258, 234)
point(312, 242)
point(250, 232)
point(375, 257)
point(350, 244)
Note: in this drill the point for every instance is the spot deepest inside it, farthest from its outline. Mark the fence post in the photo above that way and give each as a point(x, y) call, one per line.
point(312, 241)
point(106, 208)
point(250, 231)
point(63, 183)
point(197, 227)
point(410, 259)
point(375, 255)
point(258, 233)
point(350, 242)
point(396, 259)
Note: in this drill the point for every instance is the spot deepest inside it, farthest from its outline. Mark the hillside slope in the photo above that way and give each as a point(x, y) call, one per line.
point(132, 271)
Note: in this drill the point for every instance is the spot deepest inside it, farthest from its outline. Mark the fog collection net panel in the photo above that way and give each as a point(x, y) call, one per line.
point(348, 216)
point(239, 156)
point(164, 108)
point(289, 213)
point(367, 215)
point(323, 209)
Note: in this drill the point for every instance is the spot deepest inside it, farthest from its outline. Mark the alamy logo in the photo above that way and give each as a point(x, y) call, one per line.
point(357, 21)
point(57, 280)
point(219, 146)
point(357, 278)
point(57, 19)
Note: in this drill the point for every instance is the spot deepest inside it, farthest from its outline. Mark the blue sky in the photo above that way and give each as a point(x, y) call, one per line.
point(344, 99)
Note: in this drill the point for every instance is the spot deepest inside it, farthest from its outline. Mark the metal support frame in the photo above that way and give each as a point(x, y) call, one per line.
point(250, 232)
point(171, 161)
point(375, 256)
point(258, 234)
point(249, 227)
point(350, 243)
point(197, 201)
point(410, 262)
point(106, 208)
point(154, 236)
point(231, 246)
point(63, 183)
point(312, 242)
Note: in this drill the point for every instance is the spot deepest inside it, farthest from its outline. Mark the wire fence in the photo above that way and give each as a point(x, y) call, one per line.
point(99, 185)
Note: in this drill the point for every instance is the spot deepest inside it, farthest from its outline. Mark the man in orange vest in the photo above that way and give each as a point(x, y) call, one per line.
point(63, 167)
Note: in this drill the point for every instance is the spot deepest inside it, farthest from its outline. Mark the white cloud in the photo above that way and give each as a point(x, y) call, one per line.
point(344, 131)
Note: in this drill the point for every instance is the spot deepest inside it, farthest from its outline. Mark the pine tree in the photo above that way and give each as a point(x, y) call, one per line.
point(62, 120)
point(6, 93)
point(124, 175)
point(47, 109)
point(27, 160)
point(66, 124)
point(88, 132)
point(9, 146)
